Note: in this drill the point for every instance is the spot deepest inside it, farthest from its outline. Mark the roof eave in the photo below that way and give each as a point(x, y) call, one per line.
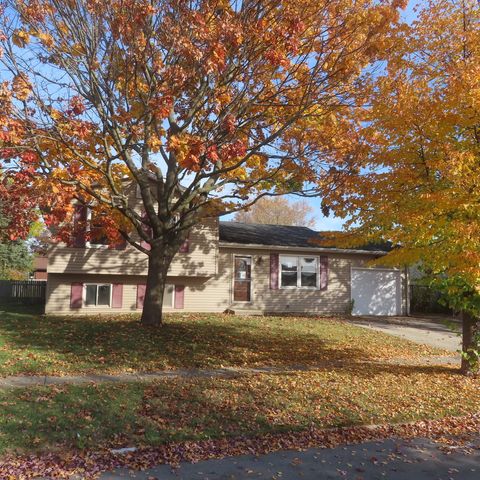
point(256, 246)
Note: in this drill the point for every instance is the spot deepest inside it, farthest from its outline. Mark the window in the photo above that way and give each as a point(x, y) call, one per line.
point(95, 224)
point(242, 282)
point(289, 267)
point(168, 296)
point(298, 272)
point(308, 272)
point(98, 295)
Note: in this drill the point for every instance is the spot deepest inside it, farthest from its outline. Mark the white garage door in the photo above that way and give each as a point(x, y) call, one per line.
point(376, 292)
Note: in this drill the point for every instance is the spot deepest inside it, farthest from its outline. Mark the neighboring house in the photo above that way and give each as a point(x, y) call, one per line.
point(229, 266)
point(39, 268)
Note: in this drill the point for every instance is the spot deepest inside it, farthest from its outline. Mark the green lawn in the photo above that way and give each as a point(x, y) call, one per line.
point(349, 381)
point(33, 344)
point(139, 414)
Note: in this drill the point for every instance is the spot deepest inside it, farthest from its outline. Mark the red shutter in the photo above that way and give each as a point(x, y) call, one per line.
point(117, 295)
point(141, 294)
point(79, 225)
point(179, 296)
point(185, 246)
point(274, 271)
point(76, 295)
point(323, 273)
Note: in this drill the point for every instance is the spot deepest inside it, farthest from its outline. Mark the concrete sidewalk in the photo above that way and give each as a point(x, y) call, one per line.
point(431, 331)
point(22, 381)
point(418, 459)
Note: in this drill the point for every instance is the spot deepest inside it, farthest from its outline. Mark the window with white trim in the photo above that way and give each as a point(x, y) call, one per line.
point(98, 295)
point(299, 272)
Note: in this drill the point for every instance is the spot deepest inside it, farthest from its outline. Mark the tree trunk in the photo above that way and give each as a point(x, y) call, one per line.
point(469, 325)
point(158, 264)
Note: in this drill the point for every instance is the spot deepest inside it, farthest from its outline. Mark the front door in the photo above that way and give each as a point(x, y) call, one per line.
point(242, 282)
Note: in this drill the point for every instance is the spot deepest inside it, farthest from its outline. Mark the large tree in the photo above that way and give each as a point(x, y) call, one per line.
point(15, 260)
point(419, 165)
point(203, 104)
point(278, 211)
point(16, 217)
point(15, 256)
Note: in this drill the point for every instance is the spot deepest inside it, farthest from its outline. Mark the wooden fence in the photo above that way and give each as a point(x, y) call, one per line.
point(31, 292)
point(425, 300)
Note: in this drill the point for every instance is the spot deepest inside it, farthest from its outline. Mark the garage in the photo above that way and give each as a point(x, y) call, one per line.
point(376, 291)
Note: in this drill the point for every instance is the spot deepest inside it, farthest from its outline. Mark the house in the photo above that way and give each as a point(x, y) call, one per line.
point(39, 268)
point(229, 266)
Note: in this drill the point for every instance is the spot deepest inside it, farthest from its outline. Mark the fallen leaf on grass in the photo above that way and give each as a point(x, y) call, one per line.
point(92, 464)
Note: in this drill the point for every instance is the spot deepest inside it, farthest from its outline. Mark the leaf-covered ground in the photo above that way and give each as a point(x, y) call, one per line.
point(35, 345)
point(450, 433)
point(175, 410)
point(56, 431)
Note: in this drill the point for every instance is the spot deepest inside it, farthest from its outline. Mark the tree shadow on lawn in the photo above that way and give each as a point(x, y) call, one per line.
point(119, 415)
point(134, 415)
point(20, 311)
point(55, 345)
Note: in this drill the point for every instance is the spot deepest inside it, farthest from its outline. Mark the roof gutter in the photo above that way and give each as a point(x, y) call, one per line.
point(255, 246)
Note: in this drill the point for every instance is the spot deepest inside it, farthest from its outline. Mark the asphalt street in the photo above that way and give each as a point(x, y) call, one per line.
point(418, 459)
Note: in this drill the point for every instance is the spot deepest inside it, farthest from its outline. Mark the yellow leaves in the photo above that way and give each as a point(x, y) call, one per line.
point(187, 149)
point(20, 38)
point(21, 87)
point(223, 4)
point(256, 161)
point(238, 173)
point(137, 109)
point(155, 143)
point(56, 114)
point(77, 50)
point(177, 143)
point(63, 29)
point(46, 39)
point(422, 146)
point(224, 98)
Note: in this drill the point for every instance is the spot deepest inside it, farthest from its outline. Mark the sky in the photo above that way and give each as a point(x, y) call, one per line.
point(332, 222)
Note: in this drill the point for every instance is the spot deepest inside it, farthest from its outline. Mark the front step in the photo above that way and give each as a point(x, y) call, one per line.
point(244, 312)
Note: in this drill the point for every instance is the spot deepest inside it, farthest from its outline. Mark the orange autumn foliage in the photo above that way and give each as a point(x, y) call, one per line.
point(417, 180)
point(205, 105)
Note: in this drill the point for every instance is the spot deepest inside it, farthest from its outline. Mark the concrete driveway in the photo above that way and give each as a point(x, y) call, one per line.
point(431, 331)
point(419, 459)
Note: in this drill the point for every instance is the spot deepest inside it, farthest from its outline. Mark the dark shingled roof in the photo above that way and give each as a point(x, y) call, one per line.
point(280, 236)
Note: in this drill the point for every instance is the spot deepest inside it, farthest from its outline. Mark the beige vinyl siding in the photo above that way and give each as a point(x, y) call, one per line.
point(214, 294)
point(201, 294)
point(59, 290)
point(335, 299)
point(201, 259)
